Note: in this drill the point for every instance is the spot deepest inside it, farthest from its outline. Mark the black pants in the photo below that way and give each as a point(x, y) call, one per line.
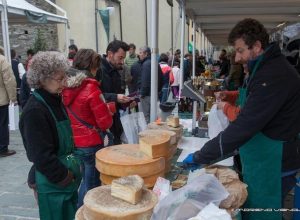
point(4, 132)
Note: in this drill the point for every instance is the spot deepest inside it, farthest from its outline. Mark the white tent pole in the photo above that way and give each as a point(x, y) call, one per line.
point(154, 62)
point(194, 74)
point(5, 32)
point(182, 44)
point(66, 38)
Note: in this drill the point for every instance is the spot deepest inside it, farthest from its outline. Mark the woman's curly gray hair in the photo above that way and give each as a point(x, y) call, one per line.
point(45, 65)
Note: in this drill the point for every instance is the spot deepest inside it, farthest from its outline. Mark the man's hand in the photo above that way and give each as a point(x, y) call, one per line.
point(220, 105)
point(133, 104)
point(123, 98)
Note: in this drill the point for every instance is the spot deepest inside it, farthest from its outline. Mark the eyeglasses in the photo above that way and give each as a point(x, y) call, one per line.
point(62, 80)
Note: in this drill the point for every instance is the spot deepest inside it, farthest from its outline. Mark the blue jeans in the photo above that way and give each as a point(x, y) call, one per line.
point(90, 175)
point(164, 93)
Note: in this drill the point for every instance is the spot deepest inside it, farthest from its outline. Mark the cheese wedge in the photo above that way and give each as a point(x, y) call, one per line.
point(127, 159)
point(99, 204)
point(172, 134)
point(173, 121)
point(149, 181)
point(164, 126)
point(154, 145)
point(128, 188)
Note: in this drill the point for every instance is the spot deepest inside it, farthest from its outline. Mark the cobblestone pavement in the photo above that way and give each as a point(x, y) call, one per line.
point(16, 199)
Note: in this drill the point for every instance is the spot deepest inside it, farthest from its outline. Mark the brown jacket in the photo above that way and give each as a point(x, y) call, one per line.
point(8, 90)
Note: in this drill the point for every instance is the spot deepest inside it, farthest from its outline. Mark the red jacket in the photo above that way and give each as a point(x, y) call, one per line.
point(85, 101)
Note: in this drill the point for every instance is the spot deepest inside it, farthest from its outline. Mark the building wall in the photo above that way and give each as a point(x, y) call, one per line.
point(83, 30)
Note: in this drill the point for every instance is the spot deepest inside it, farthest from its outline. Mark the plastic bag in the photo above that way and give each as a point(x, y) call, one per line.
point(217, 122)
point(187, 201)
point(13, 117)
point(162, 188)
point(212, 212)
point(133, 124)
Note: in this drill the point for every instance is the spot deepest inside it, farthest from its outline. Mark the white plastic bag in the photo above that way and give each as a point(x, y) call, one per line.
point(133, 124)
point(217, 122)
point(13, 111)
point(162, 188)
point(212, 212)
point(187, 201)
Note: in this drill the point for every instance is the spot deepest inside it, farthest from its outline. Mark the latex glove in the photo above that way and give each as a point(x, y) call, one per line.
point(189, 163)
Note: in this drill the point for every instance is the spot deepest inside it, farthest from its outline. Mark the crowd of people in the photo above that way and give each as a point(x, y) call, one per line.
point(68, 103)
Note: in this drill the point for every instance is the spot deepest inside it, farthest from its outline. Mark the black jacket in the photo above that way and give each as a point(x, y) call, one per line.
point(110, 80)
point(135, 70)
point(146, 77)
point(24, 91)
point(40, 135)
point(272, 107)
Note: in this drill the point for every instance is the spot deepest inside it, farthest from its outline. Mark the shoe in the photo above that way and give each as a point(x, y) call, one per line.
point(7, 153)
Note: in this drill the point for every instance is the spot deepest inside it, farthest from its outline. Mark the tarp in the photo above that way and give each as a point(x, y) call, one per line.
point(19, 12)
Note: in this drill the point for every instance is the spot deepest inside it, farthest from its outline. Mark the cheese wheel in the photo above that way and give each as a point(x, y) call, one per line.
point(164, 126)
point(127, 159)
point(155, 145)
point(99, 204)
point(168, 166)
point(172, 134)
point(149, 181)
point(172, 151)
point(173, 121)
point(79, 214)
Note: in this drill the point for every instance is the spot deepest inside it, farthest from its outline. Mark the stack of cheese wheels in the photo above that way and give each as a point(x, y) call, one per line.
point(100, 204)
point(165, 126)
point(127, 159)
point(158, 139)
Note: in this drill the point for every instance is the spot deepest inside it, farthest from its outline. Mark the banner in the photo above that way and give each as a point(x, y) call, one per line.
point(104, 14)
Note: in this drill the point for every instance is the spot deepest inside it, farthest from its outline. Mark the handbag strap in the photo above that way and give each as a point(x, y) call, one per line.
point(82, 121)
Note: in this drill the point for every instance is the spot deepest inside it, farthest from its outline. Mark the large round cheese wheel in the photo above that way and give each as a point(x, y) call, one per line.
point(151, 132)
point(164, 126)
point(99, 204)
point(149, 181)
point(127, 159)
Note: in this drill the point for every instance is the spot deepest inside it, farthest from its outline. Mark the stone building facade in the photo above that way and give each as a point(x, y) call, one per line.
point(22, 36)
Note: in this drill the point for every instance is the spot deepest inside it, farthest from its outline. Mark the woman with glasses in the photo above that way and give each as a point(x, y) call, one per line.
point(48, 139)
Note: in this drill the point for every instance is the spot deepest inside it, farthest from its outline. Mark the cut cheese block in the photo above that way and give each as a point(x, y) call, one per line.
point(128, 188)
point(99, 204)
point(149, 132)
point(164, 126)
point(79, 214)
point(149, 181)
point(173, 121)
point(127, 159)
point(155, 145)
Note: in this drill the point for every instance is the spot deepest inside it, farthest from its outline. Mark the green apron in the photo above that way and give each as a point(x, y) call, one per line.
point(56, 202)
point(261, 159)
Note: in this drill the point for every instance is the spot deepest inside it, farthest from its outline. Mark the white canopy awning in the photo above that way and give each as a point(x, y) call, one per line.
point(17, 12)
point(217, 17)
